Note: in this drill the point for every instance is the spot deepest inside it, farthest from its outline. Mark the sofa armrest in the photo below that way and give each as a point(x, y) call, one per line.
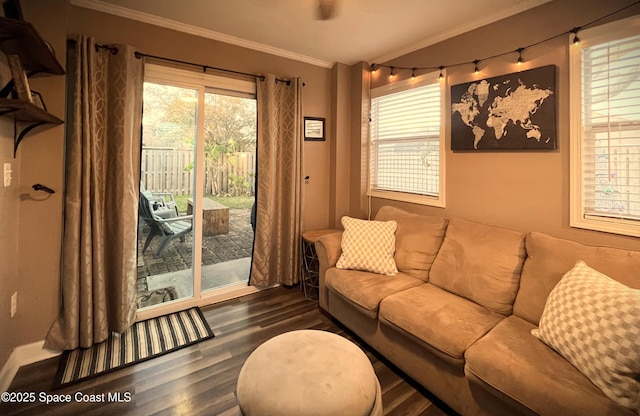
point(328, 249)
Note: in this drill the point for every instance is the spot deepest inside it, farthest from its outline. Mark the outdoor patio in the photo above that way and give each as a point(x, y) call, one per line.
point(236, 244)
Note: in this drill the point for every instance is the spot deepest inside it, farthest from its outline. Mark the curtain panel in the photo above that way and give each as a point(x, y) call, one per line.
point(98, 279)
point(279, 199)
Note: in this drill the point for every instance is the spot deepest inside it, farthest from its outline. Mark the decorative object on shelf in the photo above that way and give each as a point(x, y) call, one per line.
point(12, 9)
point(50, 47)
point(28, 55)
point(36, 98)
point(314, 128)
point(510, 112)
point(20, 81)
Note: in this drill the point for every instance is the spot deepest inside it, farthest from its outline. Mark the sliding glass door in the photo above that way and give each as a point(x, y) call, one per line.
point(229, 188)
point(167, 181)
point(196, 189)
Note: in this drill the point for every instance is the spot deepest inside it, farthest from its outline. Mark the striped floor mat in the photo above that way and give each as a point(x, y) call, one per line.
point(143, 341)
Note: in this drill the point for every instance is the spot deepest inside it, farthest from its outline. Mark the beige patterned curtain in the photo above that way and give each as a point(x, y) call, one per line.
point(101, 200)
point(276, 252)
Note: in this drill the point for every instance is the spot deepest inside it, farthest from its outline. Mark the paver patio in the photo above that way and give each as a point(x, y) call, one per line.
point(236, 244)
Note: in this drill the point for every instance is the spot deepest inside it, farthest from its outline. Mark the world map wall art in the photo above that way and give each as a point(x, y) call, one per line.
point(509, 112)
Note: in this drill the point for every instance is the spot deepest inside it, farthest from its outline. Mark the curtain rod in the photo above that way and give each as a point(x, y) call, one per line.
point(205, 67)
point(139, 55)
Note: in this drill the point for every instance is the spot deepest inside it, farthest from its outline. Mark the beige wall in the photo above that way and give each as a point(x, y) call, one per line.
point(9, 224)
point(527, 190)
point(523, 191)
point(32, 229)
point(154, 40)
point(31, 223)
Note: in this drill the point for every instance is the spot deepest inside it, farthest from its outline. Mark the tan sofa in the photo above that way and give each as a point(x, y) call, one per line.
point(457, 318)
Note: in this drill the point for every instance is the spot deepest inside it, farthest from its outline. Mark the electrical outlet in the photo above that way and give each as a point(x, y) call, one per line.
point(14, 304)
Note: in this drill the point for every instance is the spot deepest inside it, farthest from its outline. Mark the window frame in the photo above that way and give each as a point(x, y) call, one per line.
point(439, 201)
point(578, 217)
point(203, 83)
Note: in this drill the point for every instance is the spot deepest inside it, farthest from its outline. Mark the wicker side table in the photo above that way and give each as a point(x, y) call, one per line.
point(310, 272)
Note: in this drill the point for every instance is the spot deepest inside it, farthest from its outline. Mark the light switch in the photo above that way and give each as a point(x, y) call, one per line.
point(7, 174)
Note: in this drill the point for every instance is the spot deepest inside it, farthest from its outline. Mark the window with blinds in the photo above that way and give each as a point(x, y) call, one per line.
point(406, 145)
point(610, 131)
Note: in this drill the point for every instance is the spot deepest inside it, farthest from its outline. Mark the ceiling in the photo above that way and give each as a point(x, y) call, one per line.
point(360, 30)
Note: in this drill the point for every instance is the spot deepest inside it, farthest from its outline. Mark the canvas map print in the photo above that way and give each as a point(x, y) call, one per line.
point(510, 112)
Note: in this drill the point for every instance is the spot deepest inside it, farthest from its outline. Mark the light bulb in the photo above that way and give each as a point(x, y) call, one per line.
point(520, 60)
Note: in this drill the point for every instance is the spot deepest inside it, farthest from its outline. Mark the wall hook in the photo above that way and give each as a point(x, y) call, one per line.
point(39, 187)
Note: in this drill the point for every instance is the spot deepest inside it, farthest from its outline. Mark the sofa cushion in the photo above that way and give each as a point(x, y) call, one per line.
point(549, 258)
point(594, 322)
point(418, 239)
point(511, 362)
point(480, 263)
point(366, 289)
point(368, 245)
point(446, 323)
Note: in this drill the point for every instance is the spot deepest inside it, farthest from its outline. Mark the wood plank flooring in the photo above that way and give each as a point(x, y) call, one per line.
point(201, 379)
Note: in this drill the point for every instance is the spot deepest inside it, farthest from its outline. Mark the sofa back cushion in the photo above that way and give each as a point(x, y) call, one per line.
point(480, 263)
point(549, 258)
point(418, 239)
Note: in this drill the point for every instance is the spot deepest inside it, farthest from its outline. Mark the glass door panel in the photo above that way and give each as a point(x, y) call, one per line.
point(166, 243)
point(229, 189)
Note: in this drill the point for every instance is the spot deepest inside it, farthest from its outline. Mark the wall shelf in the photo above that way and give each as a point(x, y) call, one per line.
point(21, 38)
point(37, 58)
point(27, 116)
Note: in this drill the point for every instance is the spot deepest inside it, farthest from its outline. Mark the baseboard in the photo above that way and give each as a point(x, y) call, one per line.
point(20, 356)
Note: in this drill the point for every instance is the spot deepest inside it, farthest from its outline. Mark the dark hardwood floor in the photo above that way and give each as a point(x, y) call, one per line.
point(201, 379)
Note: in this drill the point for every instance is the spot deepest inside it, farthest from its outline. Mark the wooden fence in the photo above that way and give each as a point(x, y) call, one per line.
point(170, 170)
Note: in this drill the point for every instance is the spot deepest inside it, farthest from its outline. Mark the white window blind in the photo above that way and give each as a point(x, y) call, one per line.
point(406, 140)
point(611, 130)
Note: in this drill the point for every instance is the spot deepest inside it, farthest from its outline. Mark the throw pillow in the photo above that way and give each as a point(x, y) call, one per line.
point(593, 321)
point(368, 245)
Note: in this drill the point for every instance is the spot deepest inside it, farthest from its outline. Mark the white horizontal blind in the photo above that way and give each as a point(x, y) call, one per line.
point(405, 141)
point(611, 129)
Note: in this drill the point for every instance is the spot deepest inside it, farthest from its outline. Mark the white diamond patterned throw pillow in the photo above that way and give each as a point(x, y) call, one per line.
point(594, 322)
point(369, 246)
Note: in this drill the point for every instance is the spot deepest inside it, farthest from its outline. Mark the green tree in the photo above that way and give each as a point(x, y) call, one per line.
point(169, 116)
point(229, 127)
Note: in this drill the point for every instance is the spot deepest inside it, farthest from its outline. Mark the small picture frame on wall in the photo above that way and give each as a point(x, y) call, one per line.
point(314, 128)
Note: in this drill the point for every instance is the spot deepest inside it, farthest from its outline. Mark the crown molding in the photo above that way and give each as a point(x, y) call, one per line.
point(197, 31)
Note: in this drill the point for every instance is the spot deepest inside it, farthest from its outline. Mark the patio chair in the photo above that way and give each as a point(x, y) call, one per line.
point(166, 229)
point(162, 203)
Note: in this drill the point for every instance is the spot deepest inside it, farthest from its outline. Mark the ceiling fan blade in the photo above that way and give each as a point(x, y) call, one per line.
point(325, 9)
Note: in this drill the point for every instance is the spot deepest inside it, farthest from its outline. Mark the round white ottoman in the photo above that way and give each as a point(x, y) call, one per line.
point(308, 372)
